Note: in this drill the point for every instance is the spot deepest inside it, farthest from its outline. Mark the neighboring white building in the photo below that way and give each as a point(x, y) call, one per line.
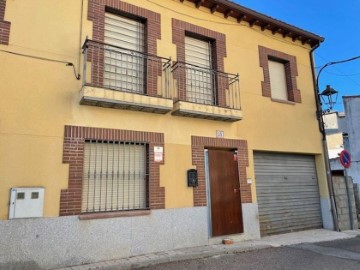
point(343, 132)
point(336, 129)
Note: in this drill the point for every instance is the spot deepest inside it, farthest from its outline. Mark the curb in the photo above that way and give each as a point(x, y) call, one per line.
point(177, 256)
point(201, 252)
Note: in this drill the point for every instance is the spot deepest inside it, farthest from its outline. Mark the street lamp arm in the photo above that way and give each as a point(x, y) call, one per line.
point(333, 63)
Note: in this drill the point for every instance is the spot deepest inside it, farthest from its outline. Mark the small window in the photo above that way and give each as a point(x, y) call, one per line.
point(34, 195)
point(20, 196)
point(278, 83)
point(115, 176)
point(280, 73)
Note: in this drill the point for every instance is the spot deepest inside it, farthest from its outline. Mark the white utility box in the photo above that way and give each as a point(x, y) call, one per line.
point(26, 202)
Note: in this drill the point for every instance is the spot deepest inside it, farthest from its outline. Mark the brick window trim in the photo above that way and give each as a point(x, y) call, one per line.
point(180, 29)
point(73, 154)
point(152, 22)
point(96, 14)
point(266, 54)
point(4, 25)
point(198, 145)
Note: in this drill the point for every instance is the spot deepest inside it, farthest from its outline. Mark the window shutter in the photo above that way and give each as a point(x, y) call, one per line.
point(278, 80)
point(199, 79)
point(197, 52)
point(114, 177)
point(124, 68)
point(124, 32)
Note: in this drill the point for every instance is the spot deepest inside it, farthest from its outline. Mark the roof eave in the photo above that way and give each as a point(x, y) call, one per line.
point(231, 9)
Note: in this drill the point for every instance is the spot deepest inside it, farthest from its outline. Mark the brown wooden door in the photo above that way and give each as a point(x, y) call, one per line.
point(226, 213)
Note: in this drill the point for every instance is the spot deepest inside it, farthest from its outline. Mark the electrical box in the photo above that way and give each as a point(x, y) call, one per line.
point(26, 202)
point(192, 178)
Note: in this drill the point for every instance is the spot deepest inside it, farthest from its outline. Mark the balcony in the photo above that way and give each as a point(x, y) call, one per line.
point(205, 93)
point(120, 78)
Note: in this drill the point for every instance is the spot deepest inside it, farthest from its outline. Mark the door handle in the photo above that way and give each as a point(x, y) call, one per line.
point(236, 190)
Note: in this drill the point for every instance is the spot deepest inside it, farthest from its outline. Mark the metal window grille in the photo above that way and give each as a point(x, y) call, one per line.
point(200, 85)
point(115, 176)
point(227, 82)
point(121, 71)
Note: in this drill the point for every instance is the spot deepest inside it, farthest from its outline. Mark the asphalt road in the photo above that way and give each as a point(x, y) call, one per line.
point(337, 255)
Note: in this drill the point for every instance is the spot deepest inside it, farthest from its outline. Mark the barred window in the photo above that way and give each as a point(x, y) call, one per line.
point(115, 176)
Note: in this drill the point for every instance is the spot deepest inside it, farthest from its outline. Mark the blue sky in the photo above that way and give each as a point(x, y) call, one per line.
point(336, 21)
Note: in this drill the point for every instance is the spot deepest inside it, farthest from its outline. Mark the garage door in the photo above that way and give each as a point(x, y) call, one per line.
point(287, 192)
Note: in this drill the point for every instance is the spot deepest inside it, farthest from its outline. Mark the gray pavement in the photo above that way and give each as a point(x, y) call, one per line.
point(287, 251)
point(269, 258)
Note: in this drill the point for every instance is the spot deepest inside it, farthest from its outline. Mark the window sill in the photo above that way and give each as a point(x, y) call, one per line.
point(103, 215)
point(283, 101)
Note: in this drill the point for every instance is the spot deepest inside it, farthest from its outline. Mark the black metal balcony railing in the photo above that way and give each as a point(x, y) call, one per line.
point(120, 69)
point(205, 86)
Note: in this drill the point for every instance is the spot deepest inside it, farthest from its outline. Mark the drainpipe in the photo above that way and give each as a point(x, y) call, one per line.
point(324, 144)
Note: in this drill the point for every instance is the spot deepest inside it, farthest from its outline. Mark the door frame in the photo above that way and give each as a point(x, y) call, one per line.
point(198, 145)
point(208, 197)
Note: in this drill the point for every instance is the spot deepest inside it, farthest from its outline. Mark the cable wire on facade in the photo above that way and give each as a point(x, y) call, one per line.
point(77, 75)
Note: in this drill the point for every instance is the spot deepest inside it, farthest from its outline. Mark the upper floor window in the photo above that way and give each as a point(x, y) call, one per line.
point(199, 72)
point(280, 72)
point(122, 53)
point(124, 60)
point(278, 80)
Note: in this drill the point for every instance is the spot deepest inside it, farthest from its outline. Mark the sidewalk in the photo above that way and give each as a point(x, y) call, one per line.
point(311, 236)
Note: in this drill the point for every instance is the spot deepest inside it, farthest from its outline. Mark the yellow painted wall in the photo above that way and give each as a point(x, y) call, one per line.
point(39, 97)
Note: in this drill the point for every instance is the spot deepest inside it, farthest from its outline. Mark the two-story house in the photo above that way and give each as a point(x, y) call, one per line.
point(135, 126)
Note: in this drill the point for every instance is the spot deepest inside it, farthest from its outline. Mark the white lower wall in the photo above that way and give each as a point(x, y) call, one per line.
point(43, 243)
point(63, 241)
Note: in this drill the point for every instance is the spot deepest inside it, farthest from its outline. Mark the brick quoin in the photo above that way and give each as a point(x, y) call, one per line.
point(96, 14)
point(73, 154)
point(198, 144)
point(4, 25)
point(179, 30)
point(290, 71)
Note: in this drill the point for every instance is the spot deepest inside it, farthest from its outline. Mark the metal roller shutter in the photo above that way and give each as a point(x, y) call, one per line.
point(287, 192)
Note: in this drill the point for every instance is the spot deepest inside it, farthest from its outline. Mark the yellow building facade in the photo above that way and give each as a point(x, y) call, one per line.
point(135, 120)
